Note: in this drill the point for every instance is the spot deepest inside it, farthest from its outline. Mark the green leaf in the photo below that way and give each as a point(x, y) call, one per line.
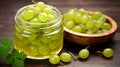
point(5, 47)
point(9, 59)
point(3, 53)
point(7, 44)
point(15, 52)
point(18, 58)
point(22, 56)
point(18, 63)
point(14, 57)
point(18, 54)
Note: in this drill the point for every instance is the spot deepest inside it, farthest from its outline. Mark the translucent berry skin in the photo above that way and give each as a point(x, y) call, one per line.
point(93, 22)
point(54, 59)
point(108, 52)
point(84, 53)
point(65, 57)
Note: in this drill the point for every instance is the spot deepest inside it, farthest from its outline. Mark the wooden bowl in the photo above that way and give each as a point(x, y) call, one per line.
point(91, 39)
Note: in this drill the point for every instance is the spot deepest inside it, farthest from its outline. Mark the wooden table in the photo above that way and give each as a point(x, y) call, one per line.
point(8, 9)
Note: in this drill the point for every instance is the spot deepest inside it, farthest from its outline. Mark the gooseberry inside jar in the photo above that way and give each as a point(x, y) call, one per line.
point(37, 36)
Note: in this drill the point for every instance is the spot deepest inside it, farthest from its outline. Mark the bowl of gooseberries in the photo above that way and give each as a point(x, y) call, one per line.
point(86, 27)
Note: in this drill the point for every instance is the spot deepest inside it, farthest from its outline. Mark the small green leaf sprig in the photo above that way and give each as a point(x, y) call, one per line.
point(10, 55)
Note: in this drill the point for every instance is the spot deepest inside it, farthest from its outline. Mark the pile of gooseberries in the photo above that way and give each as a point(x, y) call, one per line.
point(38, 13)
point(83, 21)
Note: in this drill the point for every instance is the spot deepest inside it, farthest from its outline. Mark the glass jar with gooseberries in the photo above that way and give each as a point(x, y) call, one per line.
point(38, 30)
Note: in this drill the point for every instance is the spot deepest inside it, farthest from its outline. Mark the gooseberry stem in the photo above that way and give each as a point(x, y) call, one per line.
point(34, 1)
point(99, 52)
point(87, 47)
point(75, 57)
point(61, 63)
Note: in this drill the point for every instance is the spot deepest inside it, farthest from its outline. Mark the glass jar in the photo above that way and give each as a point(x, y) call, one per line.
point(38, 40)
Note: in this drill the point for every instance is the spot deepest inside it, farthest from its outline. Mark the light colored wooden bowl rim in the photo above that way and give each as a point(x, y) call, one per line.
point(112, 30)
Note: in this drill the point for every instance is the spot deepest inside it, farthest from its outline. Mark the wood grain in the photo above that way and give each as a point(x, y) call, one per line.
point(8, 9)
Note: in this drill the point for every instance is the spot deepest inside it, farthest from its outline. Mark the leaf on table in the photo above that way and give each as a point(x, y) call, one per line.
point(5, 47)
point(3, 52)
point(18, 63)
point(22, 56)
point(9, 59)
point(7, 44)
point(14, 57)
point(15, 52)
point(19, 55)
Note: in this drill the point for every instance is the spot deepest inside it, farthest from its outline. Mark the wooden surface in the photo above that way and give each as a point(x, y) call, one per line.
point(8, 9)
